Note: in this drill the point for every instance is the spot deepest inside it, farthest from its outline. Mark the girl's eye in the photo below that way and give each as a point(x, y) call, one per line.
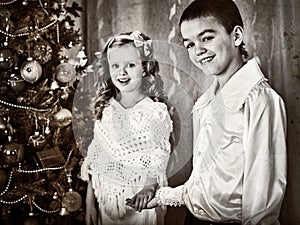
point(115, 66)
point(131, 65)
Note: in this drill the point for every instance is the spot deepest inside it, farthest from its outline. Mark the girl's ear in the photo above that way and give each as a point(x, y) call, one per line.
point(238, 35)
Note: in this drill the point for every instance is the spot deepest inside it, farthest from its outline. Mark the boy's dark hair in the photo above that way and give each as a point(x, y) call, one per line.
point(225, 11)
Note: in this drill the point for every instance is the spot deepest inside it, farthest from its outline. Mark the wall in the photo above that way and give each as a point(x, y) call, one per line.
point(272, 28)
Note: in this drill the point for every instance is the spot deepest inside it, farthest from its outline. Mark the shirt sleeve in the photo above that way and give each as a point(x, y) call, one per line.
point(265, 157)
point(170, 196)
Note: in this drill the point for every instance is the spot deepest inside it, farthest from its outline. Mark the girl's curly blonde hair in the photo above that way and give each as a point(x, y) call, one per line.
point(152, 84)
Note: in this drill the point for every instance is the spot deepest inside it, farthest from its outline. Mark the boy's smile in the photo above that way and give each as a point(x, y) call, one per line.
point(210, 47)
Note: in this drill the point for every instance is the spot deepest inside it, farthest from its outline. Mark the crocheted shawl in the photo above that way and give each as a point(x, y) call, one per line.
point(129, 145)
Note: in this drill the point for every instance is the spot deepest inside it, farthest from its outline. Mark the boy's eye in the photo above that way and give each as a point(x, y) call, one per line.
point(188, 45)
point(206, 39)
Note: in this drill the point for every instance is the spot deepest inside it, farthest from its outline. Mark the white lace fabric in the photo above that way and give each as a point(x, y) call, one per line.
point(129, 146)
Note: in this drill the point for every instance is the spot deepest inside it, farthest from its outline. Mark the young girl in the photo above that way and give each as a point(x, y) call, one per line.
point(130, 149)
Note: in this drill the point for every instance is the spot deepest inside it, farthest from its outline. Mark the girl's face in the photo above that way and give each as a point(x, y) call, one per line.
point(125, 67)
point(210, 47)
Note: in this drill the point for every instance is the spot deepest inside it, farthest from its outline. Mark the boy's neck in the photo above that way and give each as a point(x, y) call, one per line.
point(223, 79)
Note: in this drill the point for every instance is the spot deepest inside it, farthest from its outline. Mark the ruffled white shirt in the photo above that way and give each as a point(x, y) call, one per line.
point(129, 145)
point(239, 153)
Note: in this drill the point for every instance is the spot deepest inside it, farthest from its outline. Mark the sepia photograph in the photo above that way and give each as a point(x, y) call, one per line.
point(138, 112)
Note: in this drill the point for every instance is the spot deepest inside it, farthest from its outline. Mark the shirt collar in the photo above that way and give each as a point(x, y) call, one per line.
point(236, 89)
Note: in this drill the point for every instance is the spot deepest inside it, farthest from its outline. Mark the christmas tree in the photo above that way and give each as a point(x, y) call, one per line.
point(39, 156)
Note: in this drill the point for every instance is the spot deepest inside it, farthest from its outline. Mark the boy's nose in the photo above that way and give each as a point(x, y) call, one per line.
point(199, 49)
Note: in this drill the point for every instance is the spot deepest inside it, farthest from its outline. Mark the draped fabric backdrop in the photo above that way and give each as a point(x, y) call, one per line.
point(272, 30)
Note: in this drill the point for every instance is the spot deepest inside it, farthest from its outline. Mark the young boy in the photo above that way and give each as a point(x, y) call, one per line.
point(239, 155)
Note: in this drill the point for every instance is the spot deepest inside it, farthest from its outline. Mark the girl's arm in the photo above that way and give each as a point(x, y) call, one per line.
point(91, 210)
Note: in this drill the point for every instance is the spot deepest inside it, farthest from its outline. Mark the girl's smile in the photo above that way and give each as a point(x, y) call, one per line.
point(125, 68)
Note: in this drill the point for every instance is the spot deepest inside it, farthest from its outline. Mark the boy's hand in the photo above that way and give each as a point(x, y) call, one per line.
point(140, 200)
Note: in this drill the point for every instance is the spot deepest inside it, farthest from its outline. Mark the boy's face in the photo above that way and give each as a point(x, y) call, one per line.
point(210, 47)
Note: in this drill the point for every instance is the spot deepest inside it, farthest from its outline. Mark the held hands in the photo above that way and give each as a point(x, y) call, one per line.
point(144, 199)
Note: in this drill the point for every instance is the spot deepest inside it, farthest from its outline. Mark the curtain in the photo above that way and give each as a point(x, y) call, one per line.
point(272, 36)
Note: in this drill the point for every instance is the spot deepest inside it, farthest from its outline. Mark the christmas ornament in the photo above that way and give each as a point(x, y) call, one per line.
point(72, 201)
point(63, 212)
point(65, 72)
point(31, 70)
point(12, 153)
point(42, 51)
point(16, 84)
point(37, 141)
point(63, 118)
point(7, 59)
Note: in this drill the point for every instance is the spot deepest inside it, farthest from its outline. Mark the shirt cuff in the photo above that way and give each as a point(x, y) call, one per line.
point(170, 196)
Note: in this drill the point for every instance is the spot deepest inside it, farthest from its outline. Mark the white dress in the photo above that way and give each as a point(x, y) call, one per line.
point(129, 145)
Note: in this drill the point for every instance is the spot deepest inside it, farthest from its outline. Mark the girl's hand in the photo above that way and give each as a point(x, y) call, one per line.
point(142, 198)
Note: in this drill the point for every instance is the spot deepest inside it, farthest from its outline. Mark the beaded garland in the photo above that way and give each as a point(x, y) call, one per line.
point(8, 3)
point(28, 33)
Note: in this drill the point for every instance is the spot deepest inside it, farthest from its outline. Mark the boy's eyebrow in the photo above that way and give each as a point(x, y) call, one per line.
point(201, 33)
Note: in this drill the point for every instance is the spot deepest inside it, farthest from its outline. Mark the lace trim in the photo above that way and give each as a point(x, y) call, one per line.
point(162, 199)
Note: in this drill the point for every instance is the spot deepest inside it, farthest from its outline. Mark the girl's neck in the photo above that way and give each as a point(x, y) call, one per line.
point(129, 100)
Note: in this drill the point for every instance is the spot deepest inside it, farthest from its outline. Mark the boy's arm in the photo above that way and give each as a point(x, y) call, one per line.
point(265, 158)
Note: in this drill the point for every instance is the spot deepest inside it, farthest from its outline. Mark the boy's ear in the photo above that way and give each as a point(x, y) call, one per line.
point(238, 35)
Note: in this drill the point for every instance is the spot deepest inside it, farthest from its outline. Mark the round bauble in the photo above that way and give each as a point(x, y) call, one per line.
point(63, 118)
point(65, 72)
point(7, 58)
point(72, 200)
point(31, 70)
point(16, 84)
point(12, 153)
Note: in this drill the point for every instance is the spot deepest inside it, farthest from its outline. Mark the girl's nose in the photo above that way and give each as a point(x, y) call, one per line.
point(123, 70)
